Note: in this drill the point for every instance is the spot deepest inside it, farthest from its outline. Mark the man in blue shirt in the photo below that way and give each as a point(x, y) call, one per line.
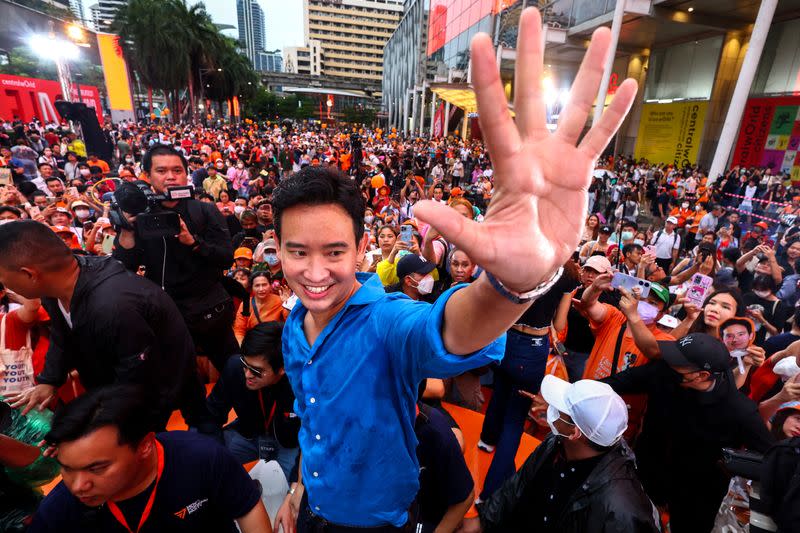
point(354, 355)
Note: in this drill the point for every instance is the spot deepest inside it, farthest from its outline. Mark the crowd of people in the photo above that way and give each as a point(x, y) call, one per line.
point(324, 293)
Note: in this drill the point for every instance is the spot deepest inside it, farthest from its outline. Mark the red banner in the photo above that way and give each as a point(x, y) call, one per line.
point(438, 121)
point(26, 98)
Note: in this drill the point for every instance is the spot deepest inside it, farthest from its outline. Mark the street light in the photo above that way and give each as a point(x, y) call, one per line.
point(201, 72)
point(61, 51)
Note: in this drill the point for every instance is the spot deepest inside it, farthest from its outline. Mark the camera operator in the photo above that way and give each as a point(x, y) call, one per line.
point(189, 265)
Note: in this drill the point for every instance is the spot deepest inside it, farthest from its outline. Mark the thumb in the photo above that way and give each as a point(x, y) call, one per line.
point(455, 228)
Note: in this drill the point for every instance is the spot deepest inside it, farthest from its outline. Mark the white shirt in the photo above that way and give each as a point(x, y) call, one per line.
point(663, 242)
point(67, 314)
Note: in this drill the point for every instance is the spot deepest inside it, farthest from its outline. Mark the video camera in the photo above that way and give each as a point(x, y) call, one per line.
point(152, 220)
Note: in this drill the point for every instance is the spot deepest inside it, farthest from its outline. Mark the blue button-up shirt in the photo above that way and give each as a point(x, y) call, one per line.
point(356, 389)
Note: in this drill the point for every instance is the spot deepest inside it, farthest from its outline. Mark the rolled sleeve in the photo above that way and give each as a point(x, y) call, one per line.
point(416, 336)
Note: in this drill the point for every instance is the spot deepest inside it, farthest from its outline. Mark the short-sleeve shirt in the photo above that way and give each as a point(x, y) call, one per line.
point(600, 361)
point(356, 391)
point(203, 489)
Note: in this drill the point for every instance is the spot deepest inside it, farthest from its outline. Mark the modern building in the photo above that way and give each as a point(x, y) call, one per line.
point(76, 7)
point(718, 79)
point(252, 29)
point(352, 35)
point(303, 59)
point(103, 12)
point(269, 61)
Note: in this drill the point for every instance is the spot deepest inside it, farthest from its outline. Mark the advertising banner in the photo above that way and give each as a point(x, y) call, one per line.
point(116, 73)
point(438, 121)
point(26, 98)
point(671, 133)
point(770, 135)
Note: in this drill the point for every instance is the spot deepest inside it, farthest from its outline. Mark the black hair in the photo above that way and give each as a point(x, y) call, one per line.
point(44, 164)
point(319, 186)
point(125, 407)
point(699, 324)
point(205, 196)
point(632, 247)
point(53, 178)
point(161, 149)
point(763, 282)
point(732, 254)
point(248, 213)
point(264, 340)
point(24, 243)
point(779, 420)
point(10, 209)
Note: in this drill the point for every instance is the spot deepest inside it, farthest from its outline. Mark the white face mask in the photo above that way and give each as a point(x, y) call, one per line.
point(640, 242)
point(85, 172)
point(553, 414)
point(685, 205)
point(425, 285)
point(647, 312)
point(238, 209)
point(762, 294)
point(368, 219)
point(82, 213)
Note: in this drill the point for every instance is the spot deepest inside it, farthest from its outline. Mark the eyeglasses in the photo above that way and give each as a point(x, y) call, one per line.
point(255, 371)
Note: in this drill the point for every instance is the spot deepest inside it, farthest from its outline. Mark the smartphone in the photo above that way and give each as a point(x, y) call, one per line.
point(405, 234)
point(34, 211)
point(108, 243)
point(624, 281)
point(560, 348)
point(5, 176)
point(72, 191)
point(699, 287)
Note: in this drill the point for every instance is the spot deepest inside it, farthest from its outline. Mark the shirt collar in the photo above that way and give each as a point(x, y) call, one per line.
point(371, 289)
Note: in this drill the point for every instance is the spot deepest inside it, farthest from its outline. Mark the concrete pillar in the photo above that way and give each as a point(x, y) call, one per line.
point(626, 138)
point(414, 109)
point(433, 113)
point(616, 26)
point(734, 116)
point(404, 117)
point(734, 48)
point(421, 123)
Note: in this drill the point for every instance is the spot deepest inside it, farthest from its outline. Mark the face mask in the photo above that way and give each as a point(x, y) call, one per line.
point(85, 172)
point(252, 232)
point(762, 294)
point(240, 166)
point(627, 235)
point(552, 415)
point(368, 219)
point(685, 205)
point(238, 209)
point(129, 160)
point(220, 165)
point(82, 213)
point(647, 312)
point(425, 285)
point(271, 259)
point(640, 242)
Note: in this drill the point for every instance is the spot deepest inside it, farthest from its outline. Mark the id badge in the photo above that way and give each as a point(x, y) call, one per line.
point(267, 449)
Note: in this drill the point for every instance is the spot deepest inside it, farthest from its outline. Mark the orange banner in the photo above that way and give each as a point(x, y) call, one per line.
point(115, 71)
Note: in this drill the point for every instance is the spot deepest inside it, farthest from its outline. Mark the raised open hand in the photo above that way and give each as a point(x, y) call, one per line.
point(538, 208)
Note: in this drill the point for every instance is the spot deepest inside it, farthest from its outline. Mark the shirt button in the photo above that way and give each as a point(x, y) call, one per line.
point(314, 400)
point(316, 508)
point(317, 437)
point(545, 519)
point(562, 474)
point(571, 469)
point(310, 361)
point(551, 496)
point(316, 474)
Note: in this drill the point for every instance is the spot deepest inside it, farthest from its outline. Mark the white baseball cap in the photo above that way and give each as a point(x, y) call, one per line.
point(594, 407)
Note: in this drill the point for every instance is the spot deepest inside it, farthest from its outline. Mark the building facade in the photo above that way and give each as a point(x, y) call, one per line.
point(352, 35)
point(303, 59)
point(103, 12)
point(269, 61)
point(252, 34)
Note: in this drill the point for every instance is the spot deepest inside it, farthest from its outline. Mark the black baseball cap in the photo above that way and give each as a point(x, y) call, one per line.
point(411, 264)
point(605, 229)
point(698, 350)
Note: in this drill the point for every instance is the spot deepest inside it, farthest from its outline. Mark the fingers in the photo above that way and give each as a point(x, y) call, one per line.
point(527, 394)
point(528, 101)
point(584, 91)
point(502, 137)
point(456, 229)
point(601, 133)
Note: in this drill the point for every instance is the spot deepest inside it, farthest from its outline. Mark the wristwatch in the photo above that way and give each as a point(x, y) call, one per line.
point(524, 297)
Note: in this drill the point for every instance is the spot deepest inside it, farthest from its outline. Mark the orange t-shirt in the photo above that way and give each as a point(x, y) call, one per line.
point(598, 366)
point(272, 311)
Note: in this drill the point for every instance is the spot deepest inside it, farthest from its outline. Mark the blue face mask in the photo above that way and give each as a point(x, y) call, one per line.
point(627, 235)
point(271, 259)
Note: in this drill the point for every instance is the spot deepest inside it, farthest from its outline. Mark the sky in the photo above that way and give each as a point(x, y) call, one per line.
point(284, 20)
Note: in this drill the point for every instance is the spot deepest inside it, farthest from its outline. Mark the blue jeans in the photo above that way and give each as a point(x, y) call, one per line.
point(522, 368)
point(246, 450)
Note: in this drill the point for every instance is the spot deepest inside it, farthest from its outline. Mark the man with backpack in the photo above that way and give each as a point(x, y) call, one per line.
point(667, 243)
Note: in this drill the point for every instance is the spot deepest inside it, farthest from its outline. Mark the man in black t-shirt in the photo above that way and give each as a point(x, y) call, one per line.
point(445, 483)
point(119, 476)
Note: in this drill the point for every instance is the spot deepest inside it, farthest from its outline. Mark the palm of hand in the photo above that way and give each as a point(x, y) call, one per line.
point(537, 211)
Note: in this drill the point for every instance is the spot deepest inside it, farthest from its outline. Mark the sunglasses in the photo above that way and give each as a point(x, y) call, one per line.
point(255, 371)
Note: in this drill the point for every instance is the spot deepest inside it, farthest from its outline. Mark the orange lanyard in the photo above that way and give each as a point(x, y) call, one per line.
point(147, 508)
point(264, 411)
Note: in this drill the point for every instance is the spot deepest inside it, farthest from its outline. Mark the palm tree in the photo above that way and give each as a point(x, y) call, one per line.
point(168, 43)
